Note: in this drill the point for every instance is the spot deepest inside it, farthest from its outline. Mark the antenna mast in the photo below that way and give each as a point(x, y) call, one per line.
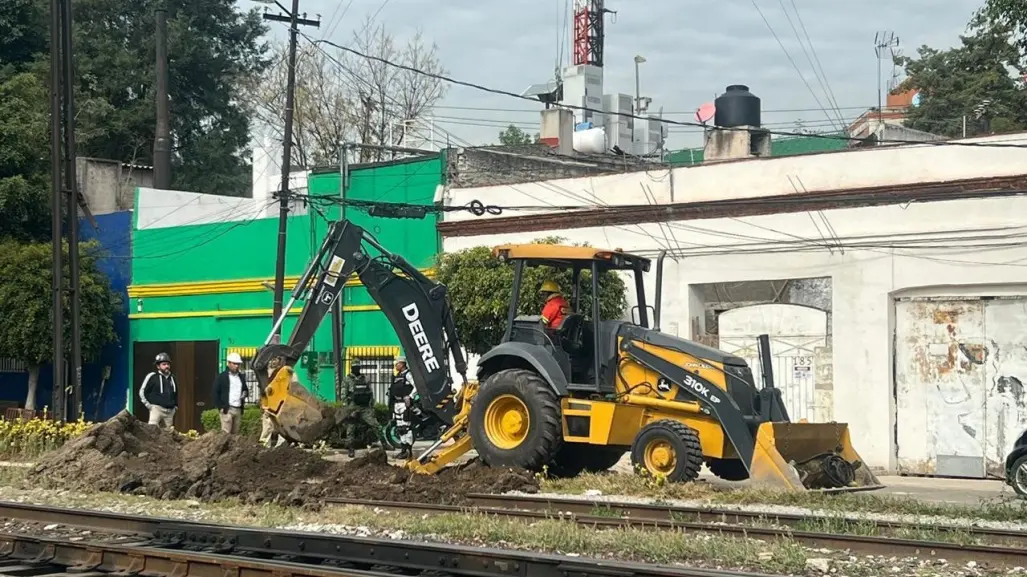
point(588, 31)
point(883, 41)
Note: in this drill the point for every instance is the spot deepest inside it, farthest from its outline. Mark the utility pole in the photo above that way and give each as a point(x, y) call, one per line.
point(71, 193)
point(57, 282)
point(294, 20)
point(162, 136)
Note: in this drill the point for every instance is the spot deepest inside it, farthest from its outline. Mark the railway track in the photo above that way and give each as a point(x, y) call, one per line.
point(594, 507)
point(996, 548)
point(173, 548)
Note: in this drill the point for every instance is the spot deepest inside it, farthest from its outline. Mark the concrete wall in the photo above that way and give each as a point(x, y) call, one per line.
point(887, 253)
point(109, 185)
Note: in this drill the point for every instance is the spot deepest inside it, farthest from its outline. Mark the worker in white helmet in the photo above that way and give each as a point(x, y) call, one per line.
point(400, 394)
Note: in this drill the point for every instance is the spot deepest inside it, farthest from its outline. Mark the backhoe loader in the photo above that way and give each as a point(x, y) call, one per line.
point(569, 400)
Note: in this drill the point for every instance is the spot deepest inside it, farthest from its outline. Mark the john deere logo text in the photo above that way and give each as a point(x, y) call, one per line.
point(413, 317)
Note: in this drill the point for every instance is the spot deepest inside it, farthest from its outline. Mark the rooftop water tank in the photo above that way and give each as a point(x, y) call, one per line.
point(737, 107)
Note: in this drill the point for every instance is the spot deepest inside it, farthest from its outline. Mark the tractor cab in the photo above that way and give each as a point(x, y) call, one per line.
point(584, 345)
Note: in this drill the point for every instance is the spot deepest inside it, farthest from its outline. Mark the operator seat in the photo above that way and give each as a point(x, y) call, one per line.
point(574, 337)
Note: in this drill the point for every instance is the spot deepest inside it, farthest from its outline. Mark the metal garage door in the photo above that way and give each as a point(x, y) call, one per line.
point(960, 368)
point(796, 333)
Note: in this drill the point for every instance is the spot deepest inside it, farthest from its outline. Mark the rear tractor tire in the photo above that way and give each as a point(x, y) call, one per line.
point(668, 449)
point(515, 420)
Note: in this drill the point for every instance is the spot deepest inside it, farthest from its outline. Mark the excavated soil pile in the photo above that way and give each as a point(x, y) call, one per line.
point(128, 456)
point(371, 477)
point(125, 455)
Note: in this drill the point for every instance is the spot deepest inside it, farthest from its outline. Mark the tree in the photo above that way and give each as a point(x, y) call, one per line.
point(480, 289)
point(24, 162)
point(343, 97)
point(26, 306)
point(213, 49)
point(1004, 17)
point(514, 136)
point(322, 112)
point(971, 80)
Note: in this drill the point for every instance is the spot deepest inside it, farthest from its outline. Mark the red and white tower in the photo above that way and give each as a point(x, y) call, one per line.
point(588, 32)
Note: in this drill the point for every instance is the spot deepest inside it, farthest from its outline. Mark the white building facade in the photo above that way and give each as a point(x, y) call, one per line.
point(892, 281)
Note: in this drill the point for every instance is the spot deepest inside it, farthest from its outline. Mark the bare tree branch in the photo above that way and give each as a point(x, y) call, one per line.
point(341, 97)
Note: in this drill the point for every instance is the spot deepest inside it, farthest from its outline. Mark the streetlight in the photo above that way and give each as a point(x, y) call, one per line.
point(638, 96)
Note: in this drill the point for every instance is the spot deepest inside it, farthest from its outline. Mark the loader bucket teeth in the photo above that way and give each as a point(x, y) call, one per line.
point(809, 456)
point(297, 414)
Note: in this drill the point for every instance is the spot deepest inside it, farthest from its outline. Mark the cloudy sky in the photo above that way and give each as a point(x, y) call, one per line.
point(693, 50)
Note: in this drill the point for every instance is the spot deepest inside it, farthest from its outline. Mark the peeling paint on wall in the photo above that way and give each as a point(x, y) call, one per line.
point(960, 368)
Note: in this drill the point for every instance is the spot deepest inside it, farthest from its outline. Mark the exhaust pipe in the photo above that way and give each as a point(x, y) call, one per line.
point(657, 303)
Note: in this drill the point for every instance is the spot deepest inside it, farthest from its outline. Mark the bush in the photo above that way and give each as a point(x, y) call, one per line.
point(21, 439)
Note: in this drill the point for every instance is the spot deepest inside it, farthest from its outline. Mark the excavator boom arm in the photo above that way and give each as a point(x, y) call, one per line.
point(416, 306)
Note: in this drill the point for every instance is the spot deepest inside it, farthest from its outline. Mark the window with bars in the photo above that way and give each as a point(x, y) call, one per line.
point(12, 366)
point(377, 365)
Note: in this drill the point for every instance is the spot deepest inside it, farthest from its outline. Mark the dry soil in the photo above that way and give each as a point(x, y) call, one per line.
point(126, 455)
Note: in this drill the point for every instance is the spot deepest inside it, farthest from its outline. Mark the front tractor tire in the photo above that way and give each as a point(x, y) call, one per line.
point(515, 420)
point(668, 449)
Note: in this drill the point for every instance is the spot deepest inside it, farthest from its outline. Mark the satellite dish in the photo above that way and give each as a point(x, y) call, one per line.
point(705, 113)
point(916, 100)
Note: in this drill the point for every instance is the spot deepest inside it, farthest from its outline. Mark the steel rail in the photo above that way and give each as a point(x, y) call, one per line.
point(230, 546)
point(874, 545)
point(648, 511)
point(36, 556)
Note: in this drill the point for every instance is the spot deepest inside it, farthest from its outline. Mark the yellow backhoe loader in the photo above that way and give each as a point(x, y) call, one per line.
point(577, 398)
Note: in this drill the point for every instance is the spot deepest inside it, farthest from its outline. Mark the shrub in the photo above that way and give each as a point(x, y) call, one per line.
point(27, 439)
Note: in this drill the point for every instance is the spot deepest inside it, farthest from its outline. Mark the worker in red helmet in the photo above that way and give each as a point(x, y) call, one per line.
point(556, 308)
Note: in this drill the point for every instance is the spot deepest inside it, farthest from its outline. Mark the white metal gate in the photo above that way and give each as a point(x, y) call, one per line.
point(796, 333)
point(960, 366)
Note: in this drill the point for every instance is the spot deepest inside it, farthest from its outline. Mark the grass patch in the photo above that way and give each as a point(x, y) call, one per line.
point(556, 536)
point(626, 484)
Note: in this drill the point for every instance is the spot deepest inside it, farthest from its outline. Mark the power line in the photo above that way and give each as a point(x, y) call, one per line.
point(500, 92)
point(790, 59)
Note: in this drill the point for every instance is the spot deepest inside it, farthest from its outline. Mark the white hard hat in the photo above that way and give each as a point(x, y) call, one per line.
point(234, 358)
point(401, 359)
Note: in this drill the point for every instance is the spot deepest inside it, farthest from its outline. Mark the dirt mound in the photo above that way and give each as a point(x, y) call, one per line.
point(371, 477)
point(126, 455)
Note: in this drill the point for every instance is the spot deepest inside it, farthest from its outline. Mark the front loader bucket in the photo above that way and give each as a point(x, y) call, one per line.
point(297, 415)
point(809, 456)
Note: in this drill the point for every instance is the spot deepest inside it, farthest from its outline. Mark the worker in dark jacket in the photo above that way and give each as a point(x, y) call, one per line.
point(361, 399)
point(230, 392)
point(159, 393)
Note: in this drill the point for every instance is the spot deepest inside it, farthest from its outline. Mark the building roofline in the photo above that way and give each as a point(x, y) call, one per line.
point(378, 164)
point(799, 202)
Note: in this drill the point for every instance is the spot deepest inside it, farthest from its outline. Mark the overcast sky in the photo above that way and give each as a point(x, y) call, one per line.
point(693, 51)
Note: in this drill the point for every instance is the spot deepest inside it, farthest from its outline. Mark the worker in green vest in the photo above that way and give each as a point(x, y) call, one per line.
point(358, 395)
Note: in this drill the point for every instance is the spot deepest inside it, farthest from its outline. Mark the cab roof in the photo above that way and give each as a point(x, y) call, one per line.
point(563, 256)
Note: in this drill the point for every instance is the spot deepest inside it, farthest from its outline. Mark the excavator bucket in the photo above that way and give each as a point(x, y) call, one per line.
point(298, 415)
point(809, 456)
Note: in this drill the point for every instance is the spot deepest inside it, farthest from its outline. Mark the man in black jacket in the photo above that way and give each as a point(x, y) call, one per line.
point(230, 392)
point(159, 393)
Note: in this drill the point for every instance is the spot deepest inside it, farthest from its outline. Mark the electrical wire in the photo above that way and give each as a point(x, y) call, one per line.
point(500, 92)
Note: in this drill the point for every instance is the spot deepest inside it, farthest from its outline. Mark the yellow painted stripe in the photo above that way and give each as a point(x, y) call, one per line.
point(236, 313)
point(246, 285)
point(244, 352)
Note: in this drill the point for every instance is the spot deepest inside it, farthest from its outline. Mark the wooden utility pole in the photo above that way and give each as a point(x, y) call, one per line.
point(294, 20)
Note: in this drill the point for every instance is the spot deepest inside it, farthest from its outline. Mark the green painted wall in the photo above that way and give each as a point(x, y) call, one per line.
point(242, 250)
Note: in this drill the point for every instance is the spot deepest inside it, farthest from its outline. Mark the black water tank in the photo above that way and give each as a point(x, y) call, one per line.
point(737, 107)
